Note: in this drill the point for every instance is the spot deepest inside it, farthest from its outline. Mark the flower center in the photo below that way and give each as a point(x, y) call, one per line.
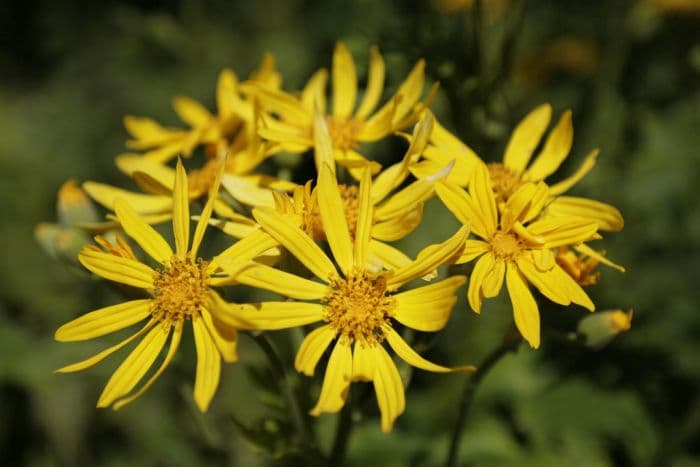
point(179, 290)
point(343, 131)
point(505, 181)
point(358, 305)
point(351, 208)
point(506, 246)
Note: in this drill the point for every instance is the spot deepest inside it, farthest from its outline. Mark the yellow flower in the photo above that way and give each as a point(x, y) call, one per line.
point(516, 246)
point(582, 262)
point(179, 290)
point(349, 124)
point(223, 129)
point(516, 169)
point(156, 179)
point(357, 305)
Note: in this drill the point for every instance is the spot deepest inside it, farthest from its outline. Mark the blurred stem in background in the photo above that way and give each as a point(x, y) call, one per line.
point(510, 342)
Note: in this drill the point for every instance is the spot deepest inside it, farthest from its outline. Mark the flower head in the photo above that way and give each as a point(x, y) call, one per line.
point(178, 290)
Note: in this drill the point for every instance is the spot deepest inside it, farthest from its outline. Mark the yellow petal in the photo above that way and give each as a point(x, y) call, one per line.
point(375, 84)
point(143, 128)
point(429, 259)
point(333, 216)
point(365, 216)
point(248, 247)
point(245, 190)
point(481, 192)
point(143, 204)
point(191, 112)
point(145, 235)
point(280, 315)
point(405, 200)
point(388, 387)
point(134, 367)
point(118, 269)
point(313, 96)
point(283, 283)
point(384, 256)
point(493, 281)
point(472, 249)
point(296, 241)
point(336, 381)
point(525, 312)
point(380, 124)
point(181, 211)
point(574, 291)
point(559, 231)
point(104, 321)
point(312, 348)
point(287, 106)
point(429, 307)
point(226, 93)
point(323, 147)
point(355, 162)
point(362, 364)
point(606, 216)
point(95, 359)
point(567, 183)
point(208, 365)
point(207, 210)
point(225, 337)
point(598, 256)
point(398, 227)
point(130, 164)
point(526, 137)
point(482, 268)
point(344, 81)
point(545, 281)
point(172, 350)
point(410, 90)
point(410, 356)
point(555, 150)
point(464, 208)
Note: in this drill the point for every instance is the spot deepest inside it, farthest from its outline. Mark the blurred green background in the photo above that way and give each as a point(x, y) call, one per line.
point(630, 71)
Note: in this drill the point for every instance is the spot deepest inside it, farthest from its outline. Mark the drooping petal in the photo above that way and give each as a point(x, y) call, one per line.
point(283, 283)
point(181, 211)
point(95, 359)
point(584, 168)
point(172, 350)
point(362, 364)
point(482, 268)
point(333, 216)
point(573, 290)
point(208, 365)
point(555, 150)
point(143, 203)
point(225, 337)
point(134, 367)
point(429, 259)
point(145, 235)
point(525, 312)
point(410, 356)
point(598, 256)
point(336, 381)
point(365, 216)
point(375, 84)
point(388, 387)
point(312, 348)
point(605, 215)
point(118, 269)
point(344, 82)
point(526, 137)
point(296, 241)
point(429, 307)
point(545, 281)
point(104, 321)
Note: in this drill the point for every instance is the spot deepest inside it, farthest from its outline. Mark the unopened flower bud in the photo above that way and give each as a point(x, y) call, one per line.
point(599, 328)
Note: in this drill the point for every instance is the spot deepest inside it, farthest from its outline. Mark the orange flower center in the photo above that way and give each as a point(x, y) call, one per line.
point(506, 246)
point(357, 306)
point(179, 290)
point(343, 131)
point(505, 181)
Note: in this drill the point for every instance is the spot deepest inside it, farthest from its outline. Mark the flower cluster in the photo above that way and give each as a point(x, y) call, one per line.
point(327, 246)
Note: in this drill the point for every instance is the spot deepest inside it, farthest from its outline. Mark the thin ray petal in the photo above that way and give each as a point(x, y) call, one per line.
point(336, 381)
point(312, 348)
point(333, 216)
point(145, 235)
point(526, 137)
point(429, 307)
point(525, 312)
point(208, 366)
point(181, 211)
point(104, 321)
point(118, 269)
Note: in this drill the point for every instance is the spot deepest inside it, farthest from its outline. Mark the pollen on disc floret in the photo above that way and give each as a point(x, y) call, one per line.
point(179, 289)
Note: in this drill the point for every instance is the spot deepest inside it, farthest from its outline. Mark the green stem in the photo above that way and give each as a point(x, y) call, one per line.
point(285, 384)
point(342, 436)
point(510, 342)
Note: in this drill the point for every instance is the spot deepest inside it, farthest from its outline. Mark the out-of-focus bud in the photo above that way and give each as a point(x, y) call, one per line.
point(599, 328)
point(61, 243)
point(73, 206)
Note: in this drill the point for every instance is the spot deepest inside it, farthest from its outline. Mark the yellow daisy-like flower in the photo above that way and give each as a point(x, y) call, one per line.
point(516, 169)
point(163, 143)
point(349, 124)
point(357, 304)
point(179, 290)
point(517, 246)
